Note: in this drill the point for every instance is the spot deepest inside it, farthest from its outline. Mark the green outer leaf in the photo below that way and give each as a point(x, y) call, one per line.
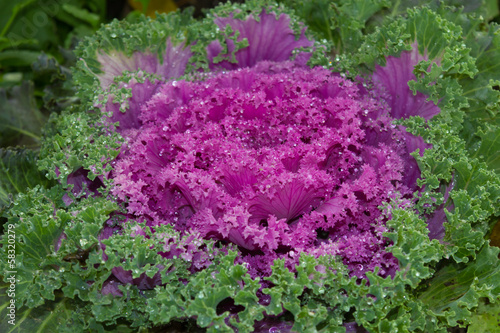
point(492, 9)
point(16, 9)
point(18, 58)
point(92, 147)
point(345, 22)
point(412, 247)
point(197, 299)
point(36, 230)
point(317, 295)
point(316, 14)
point(20, 120)
point(489, 146)
point(18, 172)
point(456, 288)
point(351, 19)
point(39, 218)
point(480, 7)
point(82, 14)
point(486, 48)
point(53, 316)
point(486, 319)
point(59, 92)
point(340, 22)
point(482, 122)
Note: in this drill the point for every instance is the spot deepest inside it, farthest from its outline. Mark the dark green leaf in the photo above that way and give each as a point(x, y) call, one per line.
point(489, 148)
point(17, 58)
point(52, 316)
point(82, 14)
point(483, 90)
point(20, 120)
point(10, 11)
point(18, 171)
point(456, 288)
point(340, 22)
point(59, 91)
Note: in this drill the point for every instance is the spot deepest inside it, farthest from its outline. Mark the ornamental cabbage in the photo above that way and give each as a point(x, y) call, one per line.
point(243, 173)
point(270, 155)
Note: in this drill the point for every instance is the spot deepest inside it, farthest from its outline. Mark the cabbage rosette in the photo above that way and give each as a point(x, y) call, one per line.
point(239, 173)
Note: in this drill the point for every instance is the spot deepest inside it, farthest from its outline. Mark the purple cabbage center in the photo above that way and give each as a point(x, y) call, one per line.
point(276, 159)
